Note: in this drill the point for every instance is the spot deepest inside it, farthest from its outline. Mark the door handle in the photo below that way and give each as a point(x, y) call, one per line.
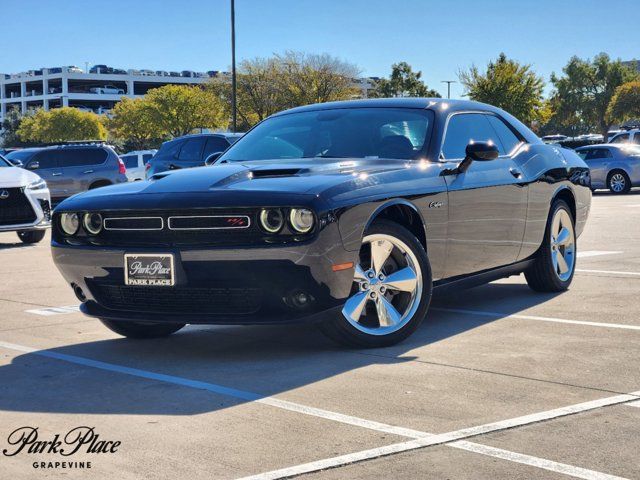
point(174, 167)
point(56, 174)
point(88, 171)
point(515, 172)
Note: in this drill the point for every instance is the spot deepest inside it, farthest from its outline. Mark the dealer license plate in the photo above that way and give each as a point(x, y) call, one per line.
point(149, 269)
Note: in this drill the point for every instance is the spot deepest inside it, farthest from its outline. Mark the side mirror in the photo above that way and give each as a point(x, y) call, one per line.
point(482, 151)
point(34, 166)
point(211, 159)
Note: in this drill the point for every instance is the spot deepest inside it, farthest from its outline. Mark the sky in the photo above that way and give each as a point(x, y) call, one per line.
point(437, 37)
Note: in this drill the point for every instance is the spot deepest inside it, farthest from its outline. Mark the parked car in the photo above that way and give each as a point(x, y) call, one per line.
point(348, 214)
point(119, 71)
point(147, 72)
point(627, 136)
point(554, 138)
point(188, 73)
point(615, 166)
point(101, 69)
point(25, 205)
point(70, 169)
point(189, 151)
point(107, 89)
point(174, 74)
point(135, 163)
point(162, 73)
point(74, 69)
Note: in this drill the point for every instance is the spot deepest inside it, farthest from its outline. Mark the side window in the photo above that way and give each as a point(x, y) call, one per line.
point(508, 139)
point(636, 138)
point(462, 129)
point(146, 157)
point(191, 151)
point(81, 157)
point(130, 161)
point(599, 153)
point(170, 149)
point(46, 159)
point(624, 137)
point(214, 144)
point(583, 154)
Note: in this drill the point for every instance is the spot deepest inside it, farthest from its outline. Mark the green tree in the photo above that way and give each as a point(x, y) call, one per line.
point(586, 88)
point(61, 125)
point(403, 82)
point(268, 85)
point(133, 125)
point(177, 110)
point(625, 104)
point(508, 85)
point(10, 126)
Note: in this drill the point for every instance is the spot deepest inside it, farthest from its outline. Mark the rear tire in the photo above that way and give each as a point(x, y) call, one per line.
point(390, 296)
point(102, 183)
point(618, 182)
point(141, 330)
point(555, 261)
point(31, 236)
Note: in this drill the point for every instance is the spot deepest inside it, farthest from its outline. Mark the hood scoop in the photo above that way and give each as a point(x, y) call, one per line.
point(274, 172)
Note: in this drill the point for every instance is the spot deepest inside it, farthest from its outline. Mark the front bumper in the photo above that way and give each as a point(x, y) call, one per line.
point(255, 285)
point(40, 202)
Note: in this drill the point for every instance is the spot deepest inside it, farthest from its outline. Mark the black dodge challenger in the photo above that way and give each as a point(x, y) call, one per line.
point(348, 214)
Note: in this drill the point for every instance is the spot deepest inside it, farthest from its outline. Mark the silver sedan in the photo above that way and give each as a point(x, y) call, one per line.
point(613, 166)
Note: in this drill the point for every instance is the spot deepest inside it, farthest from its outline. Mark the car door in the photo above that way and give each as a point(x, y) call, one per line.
point(81, 167)
point(598, 160)
point(45, 163)
point(191, 153)
point(488, 202)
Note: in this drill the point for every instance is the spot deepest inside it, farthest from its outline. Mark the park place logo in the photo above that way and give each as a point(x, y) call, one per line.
point(79, 440)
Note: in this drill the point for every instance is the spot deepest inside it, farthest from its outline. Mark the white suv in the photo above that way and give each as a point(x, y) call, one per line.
point(627, 136)
point(25, 204)
point(136, 163)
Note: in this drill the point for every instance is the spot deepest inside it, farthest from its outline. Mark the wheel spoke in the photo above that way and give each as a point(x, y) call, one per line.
point(555, 227)
point(562, 264)
point(564, 237)
point(554, 260)
point(380, 251)
point(404, 280)
point(354, 306)
point(359, 274)
point(387, 313)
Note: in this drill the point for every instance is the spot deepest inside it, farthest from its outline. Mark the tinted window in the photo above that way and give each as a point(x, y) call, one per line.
point(595, 154)
point(583, 154)
point(340, 133)
point(21, 155)
point(146, 157)
point(4, 163)
point(130, 161)
point(214, 144)
point(462, 129)
point(508, 139)
point(46, 159)
point(192, 149)
point(170, 149)
point(621, 138)
point(80, 157)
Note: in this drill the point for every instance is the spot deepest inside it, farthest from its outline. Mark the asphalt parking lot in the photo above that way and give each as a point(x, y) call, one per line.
point(499, 382)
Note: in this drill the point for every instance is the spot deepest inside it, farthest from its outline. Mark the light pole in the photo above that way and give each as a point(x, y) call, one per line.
point(448, 82)
point(233, 66)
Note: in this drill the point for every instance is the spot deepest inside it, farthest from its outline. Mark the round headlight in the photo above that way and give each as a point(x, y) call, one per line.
point(271, 220)
point(301, 219)
point(93, 223)
point(70, 223)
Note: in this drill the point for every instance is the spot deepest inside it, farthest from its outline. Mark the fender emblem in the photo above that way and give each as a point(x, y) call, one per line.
point(436, 204)
point(4, 194)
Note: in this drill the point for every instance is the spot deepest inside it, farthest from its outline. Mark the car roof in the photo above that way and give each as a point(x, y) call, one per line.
point(217, 134)
point(618, 146)
point(413, 102)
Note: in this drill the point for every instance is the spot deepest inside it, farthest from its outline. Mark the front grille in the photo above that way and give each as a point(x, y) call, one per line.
point(179, 300)
point(46, 209)
point(15, 208)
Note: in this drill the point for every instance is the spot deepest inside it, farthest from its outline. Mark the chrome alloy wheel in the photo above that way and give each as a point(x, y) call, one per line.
point(388, 286)
point(618, 182)
point(563, 244)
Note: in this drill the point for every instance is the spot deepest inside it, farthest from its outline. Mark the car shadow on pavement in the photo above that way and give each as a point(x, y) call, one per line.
point(264, 360)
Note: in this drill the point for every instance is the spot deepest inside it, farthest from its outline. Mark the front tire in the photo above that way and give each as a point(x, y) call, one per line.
point(391, 291)
point(31, 236)
point(618, 182)
point(555, 261)
point(141, 330)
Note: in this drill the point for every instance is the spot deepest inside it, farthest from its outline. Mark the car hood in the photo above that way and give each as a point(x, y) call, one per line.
point(12, 177)
point(251, 181)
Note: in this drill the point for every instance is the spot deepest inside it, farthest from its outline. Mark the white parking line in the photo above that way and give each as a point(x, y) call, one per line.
point(419, 439)
point(595, 253)
point(533, 461)
point(608, 272)
point(47, 312)
point(537, 318)
point(634, 404)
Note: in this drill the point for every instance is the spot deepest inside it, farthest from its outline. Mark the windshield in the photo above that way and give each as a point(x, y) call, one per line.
point(4, 163)
point(21, 155)
point(338, 133)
